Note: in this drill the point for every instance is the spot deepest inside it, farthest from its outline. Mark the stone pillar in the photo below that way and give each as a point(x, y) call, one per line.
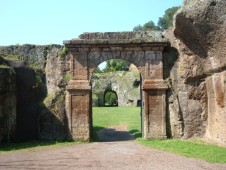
point(154, 109)
point(79, 98)
point(79, 109)
point(154, 89)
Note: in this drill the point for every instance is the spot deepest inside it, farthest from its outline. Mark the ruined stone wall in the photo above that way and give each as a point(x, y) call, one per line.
point(41, 76)
point(196, 101)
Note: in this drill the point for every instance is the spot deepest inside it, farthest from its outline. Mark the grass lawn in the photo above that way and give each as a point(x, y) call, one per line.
point(108, 116)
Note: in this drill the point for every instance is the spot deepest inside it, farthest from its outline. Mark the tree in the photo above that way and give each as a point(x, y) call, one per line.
point(116, 65)
point(138, 28)
point(167, 20)
point(164, 22)
point(149, 26)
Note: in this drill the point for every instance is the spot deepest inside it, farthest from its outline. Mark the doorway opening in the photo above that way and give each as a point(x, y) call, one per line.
point(110, 98)
point(116, 98)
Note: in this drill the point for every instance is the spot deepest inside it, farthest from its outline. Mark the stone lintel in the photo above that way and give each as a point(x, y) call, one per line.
point(157, 84)
point(117, 47)
point(145, 38)
point(144, 42)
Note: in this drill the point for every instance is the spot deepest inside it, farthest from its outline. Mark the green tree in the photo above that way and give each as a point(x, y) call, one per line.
point(167, 20)
point(116, 65)
point(164, 22)
point(149, 26)
point(138, 28)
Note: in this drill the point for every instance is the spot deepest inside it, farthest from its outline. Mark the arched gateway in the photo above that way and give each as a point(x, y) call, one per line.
point(143, 49)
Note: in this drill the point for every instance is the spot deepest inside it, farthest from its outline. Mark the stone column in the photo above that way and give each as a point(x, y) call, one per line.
point(154, 89)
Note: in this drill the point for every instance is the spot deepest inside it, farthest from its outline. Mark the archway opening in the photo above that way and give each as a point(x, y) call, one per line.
point(110, 98)
point(116, 83)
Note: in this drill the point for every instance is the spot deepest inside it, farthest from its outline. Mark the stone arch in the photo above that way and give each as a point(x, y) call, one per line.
point(143, 49)
point(134, 57)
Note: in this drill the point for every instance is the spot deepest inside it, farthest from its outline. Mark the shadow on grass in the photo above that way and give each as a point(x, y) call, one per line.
point(6, 147)
point(136, 133)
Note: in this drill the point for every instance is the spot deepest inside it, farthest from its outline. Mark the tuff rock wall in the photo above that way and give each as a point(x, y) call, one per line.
point(197, 79)
point(33, 80)
point(7, 103)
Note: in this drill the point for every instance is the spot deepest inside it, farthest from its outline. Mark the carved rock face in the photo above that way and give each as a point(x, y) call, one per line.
point(198, 76)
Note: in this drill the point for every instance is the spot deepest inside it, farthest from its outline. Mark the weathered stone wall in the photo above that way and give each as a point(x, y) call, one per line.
point(196, 102)
point(7, 103)
point(125, 84)
point(41, 77)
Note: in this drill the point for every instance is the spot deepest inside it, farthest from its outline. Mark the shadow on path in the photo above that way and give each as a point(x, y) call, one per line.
point(114, 133)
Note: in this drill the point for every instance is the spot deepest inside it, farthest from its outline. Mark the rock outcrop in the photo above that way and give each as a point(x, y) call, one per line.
point(197, 78)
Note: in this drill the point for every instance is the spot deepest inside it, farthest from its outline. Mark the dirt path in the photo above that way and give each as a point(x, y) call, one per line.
point(103, 156)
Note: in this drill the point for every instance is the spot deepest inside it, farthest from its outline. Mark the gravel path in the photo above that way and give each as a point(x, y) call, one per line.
point(103, 156)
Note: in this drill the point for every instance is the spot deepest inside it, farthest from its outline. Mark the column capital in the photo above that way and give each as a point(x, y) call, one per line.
point(155, 84)
point(78, 85)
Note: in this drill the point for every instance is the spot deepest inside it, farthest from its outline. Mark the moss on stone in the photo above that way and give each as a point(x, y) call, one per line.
point(12, 56)
point(67, 76)
point(4, 66)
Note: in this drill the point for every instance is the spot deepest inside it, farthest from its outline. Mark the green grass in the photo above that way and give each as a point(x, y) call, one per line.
point(108, 116)
point(32, 146)
point(189, 148)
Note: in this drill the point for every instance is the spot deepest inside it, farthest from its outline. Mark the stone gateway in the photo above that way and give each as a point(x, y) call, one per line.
point(144, 50)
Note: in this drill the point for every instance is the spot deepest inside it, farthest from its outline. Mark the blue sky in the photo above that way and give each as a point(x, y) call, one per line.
point(52, 21)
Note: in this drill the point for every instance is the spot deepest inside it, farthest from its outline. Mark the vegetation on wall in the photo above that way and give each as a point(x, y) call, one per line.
point(63, 52)
point(12, 56)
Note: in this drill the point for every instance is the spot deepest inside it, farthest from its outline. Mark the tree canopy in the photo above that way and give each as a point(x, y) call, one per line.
point(149, 26)
point(167, 20)
point(116, 65)
point(164, 22)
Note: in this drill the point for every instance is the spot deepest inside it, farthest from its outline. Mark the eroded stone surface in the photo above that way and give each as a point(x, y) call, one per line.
point(198, 40)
